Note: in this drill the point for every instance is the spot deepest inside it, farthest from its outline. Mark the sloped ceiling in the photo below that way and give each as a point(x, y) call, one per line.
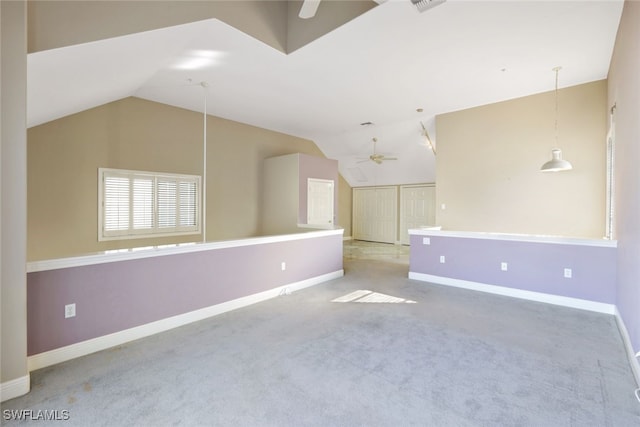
point(379, 67)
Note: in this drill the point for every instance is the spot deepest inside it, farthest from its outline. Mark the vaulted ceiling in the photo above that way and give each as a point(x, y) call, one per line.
point(376, 63)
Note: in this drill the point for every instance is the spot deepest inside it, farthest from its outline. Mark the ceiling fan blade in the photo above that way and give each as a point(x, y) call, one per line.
point(308, 9)
point(377, 157)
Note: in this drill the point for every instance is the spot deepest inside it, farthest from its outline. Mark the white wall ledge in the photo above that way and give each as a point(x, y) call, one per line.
point(532, 238)
point(117, 255)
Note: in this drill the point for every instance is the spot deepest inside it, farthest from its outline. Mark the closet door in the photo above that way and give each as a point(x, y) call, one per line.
point(375, 214)
point(417, 208)
point(320, 202)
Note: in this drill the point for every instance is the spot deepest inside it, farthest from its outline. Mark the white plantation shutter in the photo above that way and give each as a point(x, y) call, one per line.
point(142, 203)
point(116, 203)
point(167, 203)
point(188, 204)
point(137, 204)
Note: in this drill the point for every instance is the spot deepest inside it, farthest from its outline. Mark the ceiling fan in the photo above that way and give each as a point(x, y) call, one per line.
point(376, 157)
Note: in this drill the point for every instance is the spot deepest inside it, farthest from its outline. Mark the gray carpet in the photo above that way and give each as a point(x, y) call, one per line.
point(452, 358)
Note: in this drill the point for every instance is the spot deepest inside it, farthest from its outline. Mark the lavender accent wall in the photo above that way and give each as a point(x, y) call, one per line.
point(319, 168)
point(115, 296)
point(532, 266)
point(624, 93)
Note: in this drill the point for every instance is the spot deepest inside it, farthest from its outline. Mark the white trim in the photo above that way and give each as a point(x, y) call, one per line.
point(345, 238)
point(428, 184)
point(154, 251)
point(610, 176)
point(14, 388)
point(582, 304)
point(83, 348)
point(631, 355)
point(316, 226)
point(560, 240)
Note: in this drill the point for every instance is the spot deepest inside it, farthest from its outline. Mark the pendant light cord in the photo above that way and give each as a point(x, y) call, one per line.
point(204, 166)
point(557, 69)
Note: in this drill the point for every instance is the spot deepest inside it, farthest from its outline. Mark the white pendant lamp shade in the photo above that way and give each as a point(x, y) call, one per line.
point(556, 164)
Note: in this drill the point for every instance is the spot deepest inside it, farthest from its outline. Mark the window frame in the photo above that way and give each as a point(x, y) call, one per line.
point(155, 230)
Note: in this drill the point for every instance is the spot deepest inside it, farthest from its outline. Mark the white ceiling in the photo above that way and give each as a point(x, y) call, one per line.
point(379, 67)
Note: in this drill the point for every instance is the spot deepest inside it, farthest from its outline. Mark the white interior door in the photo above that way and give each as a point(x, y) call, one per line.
point(417, 208)
point(375, 214)
point(320, 202)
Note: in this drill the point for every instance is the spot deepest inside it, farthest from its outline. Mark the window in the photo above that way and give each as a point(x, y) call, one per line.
point(135, 204)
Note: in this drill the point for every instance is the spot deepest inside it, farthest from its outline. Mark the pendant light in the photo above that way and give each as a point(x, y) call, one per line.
point(556, 164)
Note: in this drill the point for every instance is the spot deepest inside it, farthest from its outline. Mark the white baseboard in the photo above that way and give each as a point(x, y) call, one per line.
point(347, 238)
point(517, 293)
point(83, 348)
point(631, 355)
point(15, 388)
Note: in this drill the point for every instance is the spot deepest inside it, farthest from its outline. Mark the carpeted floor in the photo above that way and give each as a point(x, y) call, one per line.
point(405, 353)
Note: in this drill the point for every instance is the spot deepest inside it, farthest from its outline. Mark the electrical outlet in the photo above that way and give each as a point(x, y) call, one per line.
point(568, 274)
point(69, 310)
point(504, 266)
point(283, 266)
point(426, 240)
point(442, 259)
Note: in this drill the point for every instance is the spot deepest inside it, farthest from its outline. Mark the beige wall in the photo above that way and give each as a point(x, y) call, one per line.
point(624, 93)
point(13, 200)
point(329, 16)
point(489, 159)
point(64, 157)
point(58, 23)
